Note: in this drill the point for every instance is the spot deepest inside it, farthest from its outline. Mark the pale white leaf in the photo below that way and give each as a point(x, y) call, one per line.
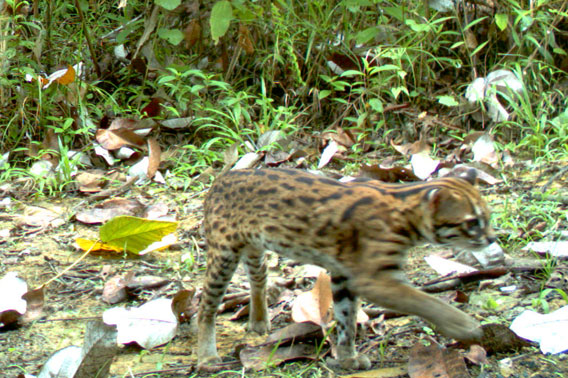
point(62, 363)
point(475, 91)
point(492, 255)
point(177, 123)
point(550, 330)
point(4, 159)
point(269, 137)
point(104, 153)
point(248, 160)
point(423, 165)
point(484, 150)
point(504, 79)
point(149, 325)
point(11, 290)
point(552, 248)
point(140, 169)
point(442, 6)
point(445, 267)
point(328, 153)
point(495, 110)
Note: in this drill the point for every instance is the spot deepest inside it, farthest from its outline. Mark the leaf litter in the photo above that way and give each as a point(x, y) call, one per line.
point(258, 356)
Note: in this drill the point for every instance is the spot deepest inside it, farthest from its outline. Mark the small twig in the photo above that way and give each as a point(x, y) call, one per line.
point(88, 39)
point(554, 177)
point(113, 192)
point(69, 267)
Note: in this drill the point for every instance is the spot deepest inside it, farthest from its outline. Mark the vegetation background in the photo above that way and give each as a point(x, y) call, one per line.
point(208, 80)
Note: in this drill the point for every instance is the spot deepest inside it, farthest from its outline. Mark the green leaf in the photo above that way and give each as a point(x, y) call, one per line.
point(220, 20)
point(135, 234)
point(350, 73)
point(168, 4)
point(526, 22)
point(416, 27)
point(398, 90)
point(501, 20)
point(479, 48)
point(366, 35)
point(243, 13)
point(324, 93)
point(448, 100)
point(173, 36)
point(376, 105)
point(457, 44)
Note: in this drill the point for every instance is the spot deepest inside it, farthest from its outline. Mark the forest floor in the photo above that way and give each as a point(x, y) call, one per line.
point(38, 253)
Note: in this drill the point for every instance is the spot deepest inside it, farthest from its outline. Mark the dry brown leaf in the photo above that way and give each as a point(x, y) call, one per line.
point(340, 136)
point(296, 332)
point(420, 146)
point(114, 289)
point(435, 361)
point(91, 181)
point(266, 356)
point(110, 209)
point(314, 305)
point(154, 156)
point(498, 338)
point(183, 305)
point(117, 138)
point(388, 372)
point(245, 41)
point(476, 355)
point(192, 33)
point(35, 301)
point(394, 174)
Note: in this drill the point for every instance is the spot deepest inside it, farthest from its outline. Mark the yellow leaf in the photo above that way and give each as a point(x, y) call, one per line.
point(94, 245)
point(135, 234)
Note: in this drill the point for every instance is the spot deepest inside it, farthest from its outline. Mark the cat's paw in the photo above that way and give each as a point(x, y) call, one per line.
point(358, 362)
point(209, 363)
point(259, 326)
point(465, 329)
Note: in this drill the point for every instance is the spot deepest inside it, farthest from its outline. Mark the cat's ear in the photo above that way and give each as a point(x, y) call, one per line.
point(466, 173)
point(443, 200)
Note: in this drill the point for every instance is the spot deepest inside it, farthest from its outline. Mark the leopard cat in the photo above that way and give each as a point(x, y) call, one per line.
point(359, 231)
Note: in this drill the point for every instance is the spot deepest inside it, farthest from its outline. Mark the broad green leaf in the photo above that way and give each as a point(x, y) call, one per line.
point(324, 93)
point(395, 12)
point(501, 20)
point(134, 234)
point(376, 105)
point(366, 35)
point(168, 4)
point(173, 36)
point(419, 28)
point(220, 20)
point(448, 100)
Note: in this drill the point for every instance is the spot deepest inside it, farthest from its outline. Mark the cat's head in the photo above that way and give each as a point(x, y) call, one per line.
point(459, 215)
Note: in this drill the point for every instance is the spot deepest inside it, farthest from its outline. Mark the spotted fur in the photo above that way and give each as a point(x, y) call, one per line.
point(358, 231)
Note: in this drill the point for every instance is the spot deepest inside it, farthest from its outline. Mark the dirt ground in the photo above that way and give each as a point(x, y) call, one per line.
point(38, 254)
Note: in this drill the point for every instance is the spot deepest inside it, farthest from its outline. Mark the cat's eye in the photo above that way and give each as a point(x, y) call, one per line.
point(472, 223)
